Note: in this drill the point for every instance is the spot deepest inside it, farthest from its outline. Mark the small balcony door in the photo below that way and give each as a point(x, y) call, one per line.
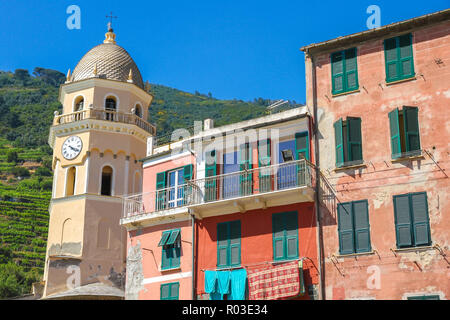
point(176, 190)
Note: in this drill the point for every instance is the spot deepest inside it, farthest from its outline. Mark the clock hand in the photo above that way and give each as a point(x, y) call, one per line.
point(76, 150)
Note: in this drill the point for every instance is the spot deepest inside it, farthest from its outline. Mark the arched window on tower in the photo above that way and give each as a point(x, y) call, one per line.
point(110, 108)
point(79, 104)
point(138, 110)
point(106, 187)
point(70, 181)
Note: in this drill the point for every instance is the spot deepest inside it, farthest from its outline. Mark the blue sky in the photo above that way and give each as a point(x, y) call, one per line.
point(233, 49)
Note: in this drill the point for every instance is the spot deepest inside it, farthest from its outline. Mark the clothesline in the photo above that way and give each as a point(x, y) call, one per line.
point(255, 264)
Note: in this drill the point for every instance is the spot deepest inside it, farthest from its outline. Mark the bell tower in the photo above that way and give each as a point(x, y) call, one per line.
point(96, 141)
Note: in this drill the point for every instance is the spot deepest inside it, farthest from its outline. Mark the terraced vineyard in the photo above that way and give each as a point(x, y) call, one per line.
point(24, 226)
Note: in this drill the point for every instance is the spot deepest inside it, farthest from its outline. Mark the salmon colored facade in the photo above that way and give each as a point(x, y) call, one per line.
point(389, 268)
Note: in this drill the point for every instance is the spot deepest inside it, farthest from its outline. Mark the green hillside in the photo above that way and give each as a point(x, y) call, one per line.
point(27, 104)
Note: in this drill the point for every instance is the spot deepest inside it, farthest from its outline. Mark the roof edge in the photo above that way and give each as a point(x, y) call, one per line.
point(428, 19)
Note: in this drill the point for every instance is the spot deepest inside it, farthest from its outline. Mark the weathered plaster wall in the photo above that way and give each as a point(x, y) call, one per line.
point(144, 274)
point(400, 273)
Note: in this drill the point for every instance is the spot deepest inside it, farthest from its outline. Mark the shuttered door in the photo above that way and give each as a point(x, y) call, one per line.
point(361, 225)
point(421, 225)
point(411, 121)
point(351, 70)
point(395, 134)
point(345, 228)
point(403, 221)
point(354, 139)
point(337, 72)
point(338, 136)
point(210, 171)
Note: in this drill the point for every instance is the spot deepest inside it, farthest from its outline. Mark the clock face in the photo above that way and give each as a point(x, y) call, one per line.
point(71, 148)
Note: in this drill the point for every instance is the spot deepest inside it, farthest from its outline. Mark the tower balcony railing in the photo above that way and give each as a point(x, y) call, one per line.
point(268, 181)
point(105, 115)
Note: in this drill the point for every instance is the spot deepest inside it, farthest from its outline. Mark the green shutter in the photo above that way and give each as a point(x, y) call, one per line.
point(165, 291)
point(210, 171)
point(222, 244)
point(391, 60)
point(187, 172)
point(164, 237)
point(166, 257)
point(345, 228)
point(161, 195)
point(403, 221)
point(278, 236)
point(354, 139)
point(395, 134)
point(361, 226)
point(406, 62)
point(175, 291)
point(291, 227)
point(351, 70)
point(173, 237)
point(411, 121)
point(421, 224)
point(338, 136)
point(399, 59)
point(337, 72)
point(245, 162)
point(302, 145)
point(285, 235)
point(235, 243)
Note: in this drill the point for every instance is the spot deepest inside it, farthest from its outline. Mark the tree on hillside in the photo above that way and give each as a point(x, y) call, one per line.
point(52, 77)
point(14, 281)
point(11, 156)
point(22, 75)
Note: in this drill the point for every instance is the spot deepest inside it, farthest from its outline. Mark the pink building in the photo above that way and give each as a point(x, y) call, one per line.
point(380, 100)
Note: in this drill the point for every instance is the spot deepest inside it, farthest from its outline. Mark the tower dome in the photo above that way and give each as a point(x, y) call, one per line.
point(108, 61)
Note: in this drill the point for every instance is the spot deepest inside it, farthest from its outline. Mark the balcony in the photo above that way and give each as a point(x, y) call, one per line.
point(105, 115)
point(263, 187)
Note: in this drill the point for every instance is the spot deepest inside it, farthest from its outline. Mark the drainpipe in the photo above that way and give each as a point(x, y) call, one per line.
point(193, 254)
point(317, 171)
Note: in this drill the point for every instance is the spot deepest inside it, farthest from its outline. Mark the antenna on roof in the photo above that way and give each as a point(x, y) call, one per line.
point(276, 104)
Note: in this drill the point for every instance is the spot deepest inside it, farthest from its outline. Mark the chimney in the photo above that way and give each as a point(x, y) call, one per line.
point(208, 124)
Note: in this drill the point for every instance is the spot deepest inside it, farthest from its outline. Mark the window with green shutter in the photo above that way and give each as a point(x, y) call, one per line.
point(348, 142)
point(404, 128)
point(354, 227)
point(160, 191)
point(171, 249)
point(285, 235)
point(430, 297)
point(398, 53)
point(412, 223)
point(170, 291)
point(229, 244)
point(344, 71)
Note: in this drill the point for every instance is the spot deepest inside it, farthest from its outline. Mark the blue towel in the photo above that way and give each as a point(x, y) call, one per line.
point(223, 282)
point(238, 284)
point(210, 281)
point(215, 296)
